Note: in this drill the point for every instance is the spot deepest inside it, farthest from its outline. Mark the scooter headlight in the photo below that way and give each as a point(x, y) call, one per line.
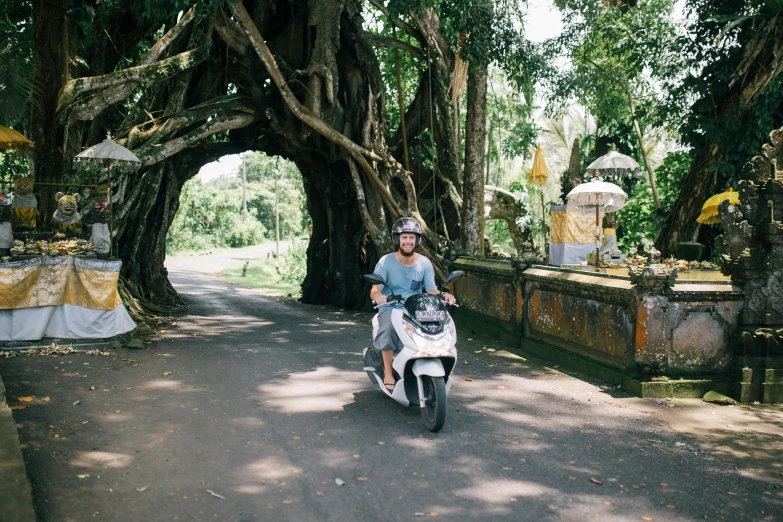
point(433, 347)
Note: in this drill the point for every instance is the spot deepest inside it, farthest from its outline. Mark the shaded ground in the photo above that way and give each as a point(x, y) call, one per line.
point(266, 405)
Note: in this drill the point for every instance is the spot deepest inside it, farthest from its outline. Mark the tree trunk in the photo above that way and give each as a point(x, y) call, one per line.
point(50, 34)
point(475, 135)
point(697, 187)
point(761, 64)
point(307, 87)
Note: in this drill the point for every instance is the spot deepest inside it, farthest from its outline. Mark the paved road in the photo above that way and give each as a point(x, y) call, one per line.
point(251, 408)
point(215, 263)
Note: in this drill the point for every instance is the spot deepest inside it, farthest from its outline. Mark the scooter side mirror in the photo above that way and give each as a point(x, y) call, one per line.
point(452, 277)
point(375, 279)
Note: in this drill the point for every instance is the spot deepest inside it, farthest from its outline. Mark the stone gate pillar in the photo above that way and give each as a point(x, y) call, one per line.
point(751, 249)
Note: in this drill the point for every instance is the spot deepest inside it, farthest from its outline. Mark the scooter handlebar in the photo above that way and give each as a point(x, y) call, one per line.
point(394, 299)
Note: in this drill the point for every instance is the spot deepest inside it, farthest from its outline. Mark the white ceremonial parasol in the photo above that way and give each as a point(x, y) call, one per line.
point(614, 165)
point(597, 194)
point(110, 154)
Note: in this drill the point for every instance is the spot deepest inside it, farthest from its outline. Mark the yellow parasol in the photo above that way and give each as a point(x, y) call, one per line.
point(709, 211)
point(538, 177)
point(10, 139)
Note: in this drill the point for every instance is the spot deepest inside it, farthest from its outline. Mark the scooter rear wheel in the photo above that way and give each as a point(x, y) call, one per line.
point(433, 413)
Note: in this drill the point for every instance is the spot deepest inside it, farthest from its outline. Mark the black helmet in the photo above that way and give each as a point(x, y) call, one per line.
point(405, 225)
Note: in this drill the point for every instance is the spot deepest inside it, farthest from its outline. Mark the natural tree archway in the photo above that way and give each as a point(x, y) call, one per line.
point(296, 79)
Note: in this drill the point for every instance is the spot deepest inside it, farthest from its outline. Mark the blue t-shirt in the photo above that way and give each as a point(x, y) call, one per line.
point(405, 280)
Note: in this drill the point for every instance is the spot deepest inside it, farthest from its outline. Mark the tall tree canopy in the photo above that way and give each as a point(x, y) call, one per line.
point(181, 83)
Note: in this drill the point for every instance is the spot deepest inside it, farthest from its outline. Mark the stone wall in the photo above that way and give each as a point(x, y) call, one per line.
point(490, 296)
point(677, 330)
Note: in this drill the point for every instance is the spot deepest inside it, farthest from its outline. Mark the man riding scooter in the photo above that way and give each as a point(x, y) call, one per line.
point(405, 272)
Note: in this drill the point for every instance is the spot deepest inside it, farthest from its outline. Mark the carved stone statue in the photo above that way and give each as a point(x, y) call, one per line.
point(25, 204)
point(67, 218)
point(751, 249)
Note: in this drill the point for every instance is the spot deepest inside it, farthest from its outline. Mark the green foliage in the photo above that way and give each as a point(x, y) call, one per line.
point(209, 217)
point(711, 49)
point(16, 60)
point(638, 222)
point(12, 163)
point(292, 266)
point(210, 214)
point(613, 52)
point(261, 173)
point(261, 275)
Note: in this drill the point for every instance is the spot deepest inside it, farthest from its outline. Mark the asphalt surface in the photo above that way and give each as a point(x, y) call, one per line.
point(255, 408)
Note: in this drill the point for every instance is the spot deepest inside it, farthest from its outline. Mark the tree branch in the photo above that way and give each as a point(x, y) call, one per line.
point(305, 115)
point(399, 23)
point(90, 109)
point(149, 73)
point(234, 120)
point(384, 41)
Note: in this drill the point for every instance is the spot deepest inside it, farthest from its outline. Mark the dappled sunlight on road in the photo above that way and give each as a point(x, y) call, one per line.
point(218, 325)
point(258, 476)
point(101, 459)
point(324, 389)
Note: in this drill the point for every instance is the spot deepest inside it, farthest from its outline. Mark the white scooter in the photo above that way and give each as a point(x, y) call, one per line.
point(422, 368)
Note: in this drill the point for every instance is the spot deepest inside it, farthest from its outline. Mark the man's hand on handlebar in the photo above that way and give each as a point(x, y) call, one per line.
point(448, 298)
point(380, 299)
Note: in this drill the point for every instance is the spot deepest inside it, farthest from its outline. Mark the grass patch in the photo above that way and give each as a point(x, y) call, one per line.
point(262, 275)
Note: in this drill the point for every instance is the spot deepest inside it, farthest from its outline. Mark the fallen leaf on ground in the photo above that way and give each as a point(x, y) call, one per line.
point(502, 388)
point(671, 506)
point(25, 399)
point(653, 440)
point(142, 489)
point(664, 484)
point(468, 379)
point(356, 457)
point(18, 407)
point(82, 476)
point(45, 399)
point(362, 478)
point(318, 493)
point(596, 481)
point(506, 469)
point(607, 503)
point(572, 462)
point(339, 482)
point(571, 478)
point(647, 518)
point(76, 403)
point(288, 501)
point(166, 373)
point(381, 443)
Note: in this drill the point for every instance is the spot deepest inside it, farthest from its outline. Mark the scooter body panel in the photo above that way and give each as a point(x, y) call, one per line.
point(431, 367)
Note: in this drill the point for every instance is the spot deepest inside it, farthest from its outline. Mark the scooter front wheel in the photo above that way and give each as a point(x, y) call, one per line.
point(433, 413)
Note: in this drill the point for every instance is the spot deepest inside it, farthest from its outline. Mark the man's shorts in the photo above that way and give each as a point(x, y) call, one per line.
point(384, 335)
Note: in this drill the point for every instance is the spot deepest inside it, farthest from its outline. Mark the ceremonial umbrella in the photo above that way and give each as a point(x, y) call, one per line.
point(10, 139)
point(709, 211)
point(111, 155)
point(538, 177)
point(614, 165)
point(597, 193)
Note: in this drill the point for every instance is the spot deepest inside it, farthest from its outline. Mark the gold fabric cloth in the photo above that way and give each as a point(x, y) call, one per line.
point(52, 281)
point(568, 226)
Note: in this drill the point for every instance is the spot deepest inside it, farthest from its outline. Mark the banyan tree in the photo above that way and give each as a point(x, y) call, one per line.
point(183, 83)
